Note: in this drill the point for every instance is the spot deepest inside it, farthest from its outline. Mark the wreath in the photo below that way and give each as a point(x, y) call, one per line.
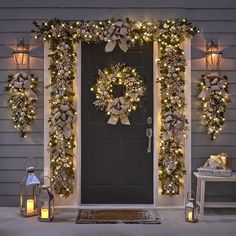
point(118, 107)
point(214, 99)
point(22, 99)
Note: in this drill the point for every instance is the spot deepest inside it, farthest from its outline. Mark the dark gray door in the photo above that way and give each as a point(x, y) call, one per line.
point(116, 168)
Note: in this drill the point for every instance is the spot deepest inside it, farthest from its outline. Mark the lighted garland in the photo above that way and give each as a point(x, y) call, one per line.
point(22, 99)
point(118, 108)
point(214, 99)
point(123, 33)
point(172, 63)
point(61, 144)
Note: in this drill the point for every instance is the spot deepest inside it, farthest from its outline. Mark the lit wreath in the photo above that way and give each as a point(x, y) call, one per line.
point(119, 108)
point(22, 99)
point(214, 100)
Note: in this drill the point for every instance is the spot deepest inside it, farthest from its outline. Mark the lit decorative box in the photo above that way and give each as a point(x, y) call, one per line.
point(217, 165)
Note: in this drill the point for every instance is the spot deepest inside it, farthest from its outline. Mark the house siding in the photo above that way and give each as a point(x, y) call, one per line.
point(216, 20)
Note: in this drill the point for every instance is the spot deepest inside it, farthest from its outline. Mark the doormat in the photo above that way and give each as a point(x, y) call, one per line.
point(117, 216)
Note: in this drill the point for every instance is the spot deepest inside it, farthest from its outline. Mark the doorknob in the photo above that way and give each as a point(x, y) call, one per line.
point(149, 136)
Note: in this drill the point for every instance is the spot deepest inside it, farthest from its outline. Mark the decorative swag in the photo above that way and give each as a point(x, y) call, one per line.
point(122, 33)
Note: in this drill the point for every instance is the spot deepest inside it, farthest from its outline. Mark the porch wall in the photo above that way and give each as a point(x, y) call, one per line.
point(216, 19)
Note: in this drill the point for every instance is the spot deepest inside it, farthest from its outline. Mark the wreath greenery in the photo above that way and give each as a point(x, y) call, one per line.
point(22, 99)
point(118, 107)
point(214, 98)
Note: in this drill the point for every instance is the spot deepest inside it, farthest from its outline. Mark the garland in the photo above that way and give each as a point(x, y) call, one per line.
point(118, 107)
point(214, 98)
point(61, 144)
point(123, 33)
point(22, 99)
point(173, 121)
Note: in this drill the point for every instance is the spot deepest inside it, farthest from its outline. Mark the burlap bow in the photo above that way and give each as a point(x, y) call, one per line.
point(117, 33)
point(118, 110)
point(20, 82)
point(174, 124)
point(216, 84)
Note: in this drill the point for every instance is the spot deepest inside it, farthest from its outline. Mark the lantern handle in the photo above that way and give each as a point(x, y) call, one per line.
point(30, 158)
point(192, 195)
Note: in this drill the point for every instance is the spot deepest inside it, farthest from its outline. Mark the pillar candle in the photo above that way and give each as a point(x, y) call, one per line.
point(30, 206)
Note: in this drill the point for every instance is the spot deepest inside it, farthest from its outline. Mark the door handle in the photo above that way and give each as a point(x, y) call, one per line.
point(149, 136)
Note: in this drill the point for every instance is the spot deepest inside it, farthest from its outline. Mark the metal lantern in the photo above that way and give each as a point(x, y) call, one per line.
point(21, 54)
point(213, 54)
point(29, 191)
point(45, 203)
point(191, 209)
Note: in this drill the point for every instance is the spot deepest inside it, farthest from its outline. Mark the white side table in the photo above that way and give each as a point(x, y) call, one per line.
point(200, 195)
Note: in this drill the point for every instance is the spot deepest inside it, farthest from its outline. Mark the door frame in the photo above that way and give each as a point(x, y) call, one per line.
point(159, 201)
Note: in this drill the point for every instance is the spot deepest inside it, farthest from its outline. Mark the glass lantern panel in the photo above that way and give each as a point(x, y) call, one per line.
point(189, 214)
point(45, 206)
point(28, 198)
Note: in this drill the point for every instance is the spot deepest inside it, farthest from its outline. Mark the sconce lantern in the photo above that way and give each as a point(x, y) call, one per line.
point(21, 54)
point(45, 203)
point(213, 54)
point(191, 209)
point(28, 192)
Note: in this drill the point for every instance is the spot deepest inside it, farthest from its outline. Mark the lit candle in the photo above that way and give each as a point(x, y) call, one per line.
point(30, 206)
point(190, 216)
point(44, 213)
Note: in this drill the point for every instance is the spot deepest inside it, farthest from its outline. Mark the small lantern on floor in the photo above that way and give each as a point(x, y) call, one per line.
point(28, 192)
point(45, 203)
point(21, 54)
point(191, 208)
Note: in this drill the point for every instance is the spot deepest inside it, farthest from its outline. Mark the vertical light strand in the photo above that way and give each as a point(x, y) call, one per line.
point(173, 120)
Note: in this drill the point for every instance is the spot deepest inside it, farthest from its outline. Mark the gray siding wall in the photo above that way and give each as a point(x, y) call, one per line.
point(216, 19)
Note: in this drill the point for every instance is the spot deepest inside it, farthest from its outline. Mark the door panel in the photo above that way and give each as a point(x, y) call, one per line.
point(116, 168)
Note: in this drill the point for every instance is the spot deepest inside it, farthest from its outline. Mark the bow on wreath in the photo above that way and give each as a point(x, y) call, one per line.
point(174, 124)
point(216, 84)
point(117, 33)
point(118, 110)
point(21, 81)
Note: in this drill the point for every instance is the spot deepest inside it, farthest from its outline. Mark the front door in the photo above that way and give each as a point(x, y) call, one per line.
point(116, 167)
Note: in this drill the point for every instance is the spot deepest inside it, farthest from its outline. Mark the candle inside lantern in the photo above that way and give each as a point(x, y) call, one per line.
point(44, 213)
point(190, 216)
point(30, 206)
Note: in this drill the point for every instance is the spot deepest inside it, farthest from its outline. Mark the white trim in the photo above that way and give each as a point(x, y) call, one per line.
point(156, 111)
point(46, 112)
point(188, 146)
point(72, 200)
point(78, 122)
point(118, 206)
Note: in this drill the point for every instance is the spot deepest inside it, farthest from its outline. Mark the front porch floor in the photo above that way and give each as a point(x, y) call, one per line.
point(213, 223)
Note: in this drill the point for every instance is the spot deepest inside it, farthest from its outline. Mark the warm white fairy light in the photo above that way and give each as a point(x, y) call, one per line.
point(171, 35)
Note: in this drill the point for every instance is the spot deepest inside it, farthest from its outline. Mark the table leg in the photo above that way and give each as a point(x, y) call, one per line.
point(198, 190)
point(202, 197)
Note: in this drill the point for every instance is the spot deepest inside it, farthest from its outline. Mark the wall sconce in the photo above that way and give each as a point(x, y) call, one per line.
point(21, 54)
point(213, 54)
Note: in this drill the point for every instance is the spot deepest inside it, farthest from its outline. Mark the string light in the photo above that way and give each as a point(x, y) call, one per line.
point(22, 100)
point(172, 66)
point(171, 36)
point(213, 102)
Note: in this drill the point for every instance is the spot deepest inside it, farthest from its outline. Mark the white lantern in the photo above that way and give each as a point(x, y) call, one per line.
point(28, 192)
point(45, 203)
point(191, 208)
